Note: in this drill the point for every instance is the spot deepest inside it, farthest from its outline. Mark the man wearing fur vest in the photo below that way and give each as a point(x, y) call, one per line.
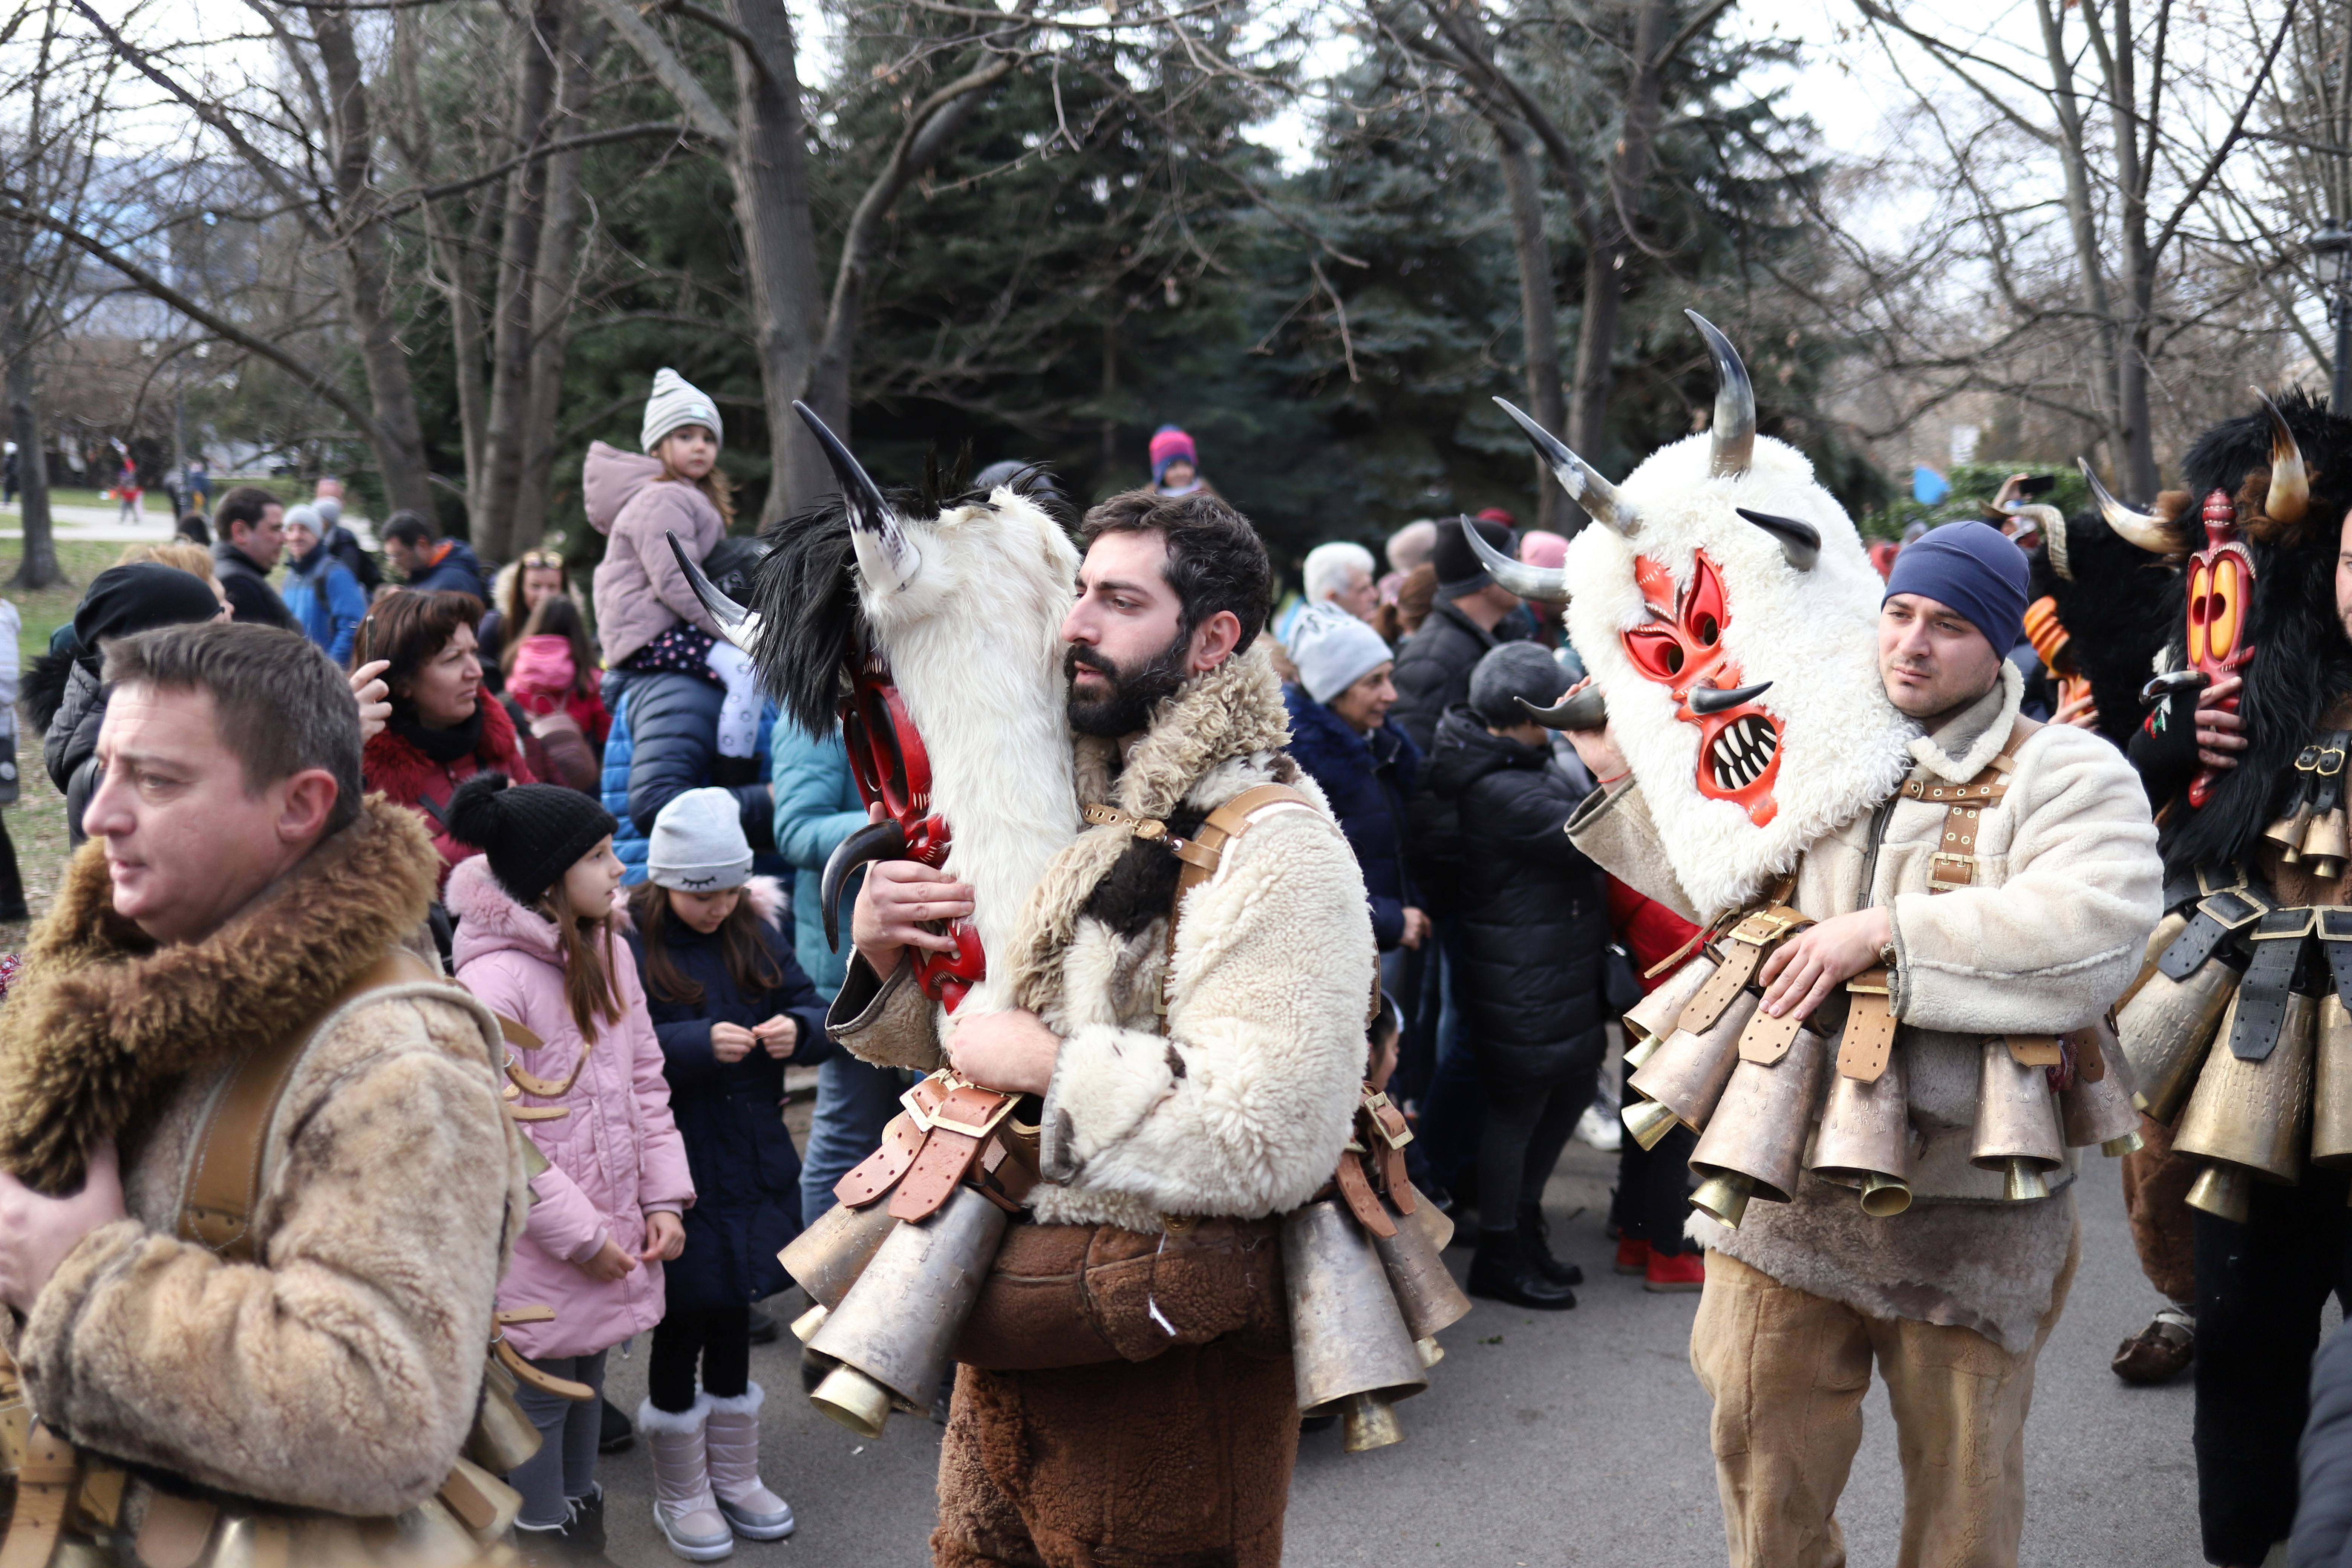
point(2024, 917)
point(1156, 1420)
point(308, 1346)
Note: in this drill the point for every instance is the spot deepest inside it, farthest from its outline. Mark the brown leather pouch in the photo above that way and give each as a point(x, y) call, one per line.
point(1073, 1295)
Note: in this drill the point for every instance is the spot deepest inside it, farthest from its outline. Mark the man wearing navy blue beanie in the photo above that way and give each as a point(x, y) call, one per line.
point(1955, 606)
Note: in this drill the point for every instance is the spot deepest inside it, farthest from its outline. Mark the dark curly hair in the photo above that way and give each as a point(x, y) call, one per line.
point(1215, 559)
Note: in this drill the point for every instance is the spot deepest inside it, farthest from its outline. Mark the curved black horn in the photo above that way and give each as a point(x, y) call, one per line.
point(2164, 686)
point(883, 840)
point(2145, 529)
point(1733, 432)
point(740, 626)
point(1596, 495)
point(1800, 542)
point(2289, 493)
point(1582, 710)
point(1545, 583)
point(870, 518)
point(1704, 699)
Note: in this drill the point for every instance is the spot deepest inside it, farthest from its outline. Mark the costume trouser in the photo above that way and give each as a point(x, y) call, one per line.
point(854, 1101)
point(2156, 1201)
point(720, 1339)
point(1652, 1198)
point(565, 1465)
point(1788, 1370)
point(1525, 1128)
point(1180, 1461)
point(2260, 1289)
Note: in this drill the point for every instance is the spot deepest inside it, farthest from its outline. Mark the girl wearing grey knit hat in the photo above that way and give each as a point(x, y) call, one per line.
point(731, 1008)
point(645, 611)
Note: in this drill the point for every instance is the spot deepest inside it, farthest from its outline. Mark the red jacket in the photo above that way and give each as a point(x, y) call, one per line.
point(1651, 933)
point(411, 779)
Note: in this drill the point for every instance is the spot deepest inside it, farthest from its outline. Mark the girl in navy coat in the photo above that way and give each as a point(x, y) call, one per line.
point(731, 1008)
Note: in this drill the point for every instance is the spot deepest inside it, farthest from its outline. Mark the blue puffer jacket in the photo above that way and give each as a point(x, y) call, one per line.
point(327, 601)
point(816, 807)
point(746, 1174)
point(663, 742)
point(1367, 778)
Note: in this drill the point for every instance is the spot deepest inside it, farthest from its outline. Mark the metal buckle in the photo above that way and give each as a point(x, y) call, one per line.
point(1763, 928)
point(2323, 769)
point(1374, 1103)
point(1944, 857)
point(2286, 925)
point(2233, 907)
point(2335, 921)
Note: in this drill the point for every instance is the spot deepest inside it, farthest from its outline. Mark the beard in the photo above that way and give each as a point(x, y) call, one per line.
point(1134, 691)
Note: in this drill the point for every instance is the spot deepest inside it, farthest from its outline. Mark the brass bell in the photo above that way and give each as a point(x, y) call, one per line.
point(2225, 1191)
point(2166, 929)
point(2166, 1029)
point(1724, 1197)
point(2331, 1086)
point(1649, 1021)
point(2017, 1131)
point(2100, 1111)
point(1865, 1139)
point(2287, 831)
point(503, 1437)
point(1415, 1259)
point(805, 1326)
point(826, 1258)
point(2254, 1114)
point(1759, 1124)
point(1351, 1350)
point(1687, 1074)
point(2324, 846)
point(896, 1326)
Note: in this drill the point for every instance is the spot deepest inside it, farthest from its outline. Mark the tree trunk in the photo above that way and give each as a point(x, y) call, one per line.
point(2135, 454)
point(2090, 274)
point(491, 505)
point(399, 439)
point(554, 284)
point(39, 568)
point(1539, 322)
point(1609, 251)
point(465, 337)
point(771, 208)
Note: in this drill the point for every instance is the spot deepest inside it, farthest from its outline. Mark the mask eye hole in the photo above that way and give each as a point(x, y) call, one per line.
point(1658, 651)
point(1708, 631)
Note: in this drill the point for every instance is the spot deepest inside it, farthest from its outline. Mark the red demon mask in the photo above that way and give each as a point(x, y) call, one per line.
point(887, 760)
point(1681, 649)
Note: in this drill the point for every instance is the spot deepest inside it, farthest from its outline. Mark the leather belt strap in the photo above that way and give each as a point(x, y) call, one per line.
point(2218, 913)
point(1953, 862)
point(1203, 852)
point(1767, 1039)
point(957, 1119)
point(224, 1185)
point(880, 1171)
point(45, 1481)
point(1744, 946)
point(1869, 1038)
point(2035, 1050)
point(2260, 1007)
point(2335, 942)
point(1373, 1163)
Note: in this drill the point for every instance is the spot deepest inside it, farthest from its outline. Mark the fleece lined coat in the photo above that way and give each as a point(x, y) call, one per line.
point(613, 1158)
point(341, 1370)
point(2068, 888)
point(729, 1115)
point(1241, 1105)
point(639, 591)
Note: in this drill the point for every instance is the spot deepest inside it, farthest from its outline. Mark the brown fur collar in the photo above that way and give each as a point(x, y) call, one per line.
point(102, 1020)
point(1234, 711)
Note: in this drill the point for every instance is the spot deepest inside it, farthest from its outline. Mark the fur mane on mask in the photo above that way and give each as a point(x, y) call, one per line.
point(2120, 607)
point(1813, 634)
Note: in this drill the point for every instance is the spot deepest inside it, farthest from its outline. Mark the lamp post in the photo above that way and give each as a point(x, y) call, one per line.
point(2331, 249)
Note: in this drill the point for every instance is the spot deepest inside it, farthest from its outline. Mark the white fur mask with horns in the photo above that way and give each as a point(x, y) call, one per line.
point(1729, 617)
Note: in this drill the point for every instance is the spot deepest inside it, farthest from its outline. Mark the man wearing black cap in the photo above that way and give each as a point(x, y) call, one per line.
point(1432, 668)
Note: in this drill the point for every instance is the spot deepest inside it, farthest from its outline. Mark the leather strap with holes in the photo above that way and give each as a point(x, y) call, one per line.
point(1746, 944)
point(1953, 863)
point(1869, 1038)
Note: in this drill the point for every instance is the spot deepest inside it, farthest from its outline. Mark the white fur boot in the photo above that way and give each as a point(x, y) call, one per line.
point(683, 1506)
point(734, 1441)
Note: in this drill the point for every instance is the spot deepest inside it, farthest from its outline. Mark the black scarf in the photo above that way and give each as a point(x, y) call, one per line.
point(441, 745)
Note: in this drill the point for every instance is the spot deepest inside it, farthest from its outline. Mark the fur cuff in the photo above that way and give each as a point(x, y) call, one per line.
point(674, 1423)
point(746, 1402)
point(1106, 1081)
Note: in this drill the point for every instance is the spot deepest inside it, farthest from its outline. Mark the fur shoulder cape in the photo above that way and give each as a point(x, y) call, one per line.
point(102, 1021)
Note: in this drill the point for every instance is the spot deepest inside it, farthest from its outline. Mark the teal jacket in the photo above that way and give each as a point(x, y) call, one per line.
point(817, 806)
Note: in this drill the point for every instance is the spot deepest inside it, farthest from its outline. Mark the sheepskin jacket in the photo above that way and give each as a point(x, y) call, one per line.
point(1239, 1106)
point(2068, 887)
point(341, 1370)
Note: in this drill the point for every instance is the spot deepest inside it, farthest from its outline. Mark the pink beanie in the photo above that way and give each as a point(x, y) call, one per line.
point(1538, 548)
point(1169, 445)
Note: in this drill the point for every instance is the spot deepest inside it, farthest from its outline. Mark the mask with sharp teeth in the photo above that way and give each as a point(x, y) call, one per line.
point(1730, 616)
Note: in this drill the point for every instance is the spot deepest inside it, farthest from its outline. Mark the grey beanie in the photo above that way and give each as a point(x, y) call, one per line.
point(1515, 669)
point(698, 844)
point(1333, 650)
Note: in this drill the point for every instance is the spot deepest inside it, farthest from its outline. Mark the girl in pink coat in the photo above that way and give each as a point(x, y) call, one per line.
point(537, 943)
point(645, 611)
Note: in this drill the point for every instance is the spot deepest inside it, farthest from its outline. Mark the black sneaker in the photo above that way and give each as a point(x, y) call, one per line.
point(1501, 1273)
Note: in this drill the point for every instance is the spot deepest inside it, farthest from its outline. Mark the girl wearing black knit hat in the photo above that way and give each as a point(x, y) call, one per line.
point(537, 943)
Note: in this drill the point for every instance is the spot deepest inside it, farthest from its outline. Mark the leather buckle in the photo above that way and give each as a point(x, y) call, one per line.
point(948, 1082)
point(2335, 921)
point(1376, 1103)
point(2323, 769)
point(2233, 907)
point(2286, 925)
point(1764, 928)
point(1965, 864)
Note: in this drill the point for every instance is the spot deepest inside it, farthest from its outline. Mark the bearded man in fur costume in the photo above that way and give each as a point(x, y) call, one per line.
point(2237, 770)
point(1788, 743)
point(1193, 1088)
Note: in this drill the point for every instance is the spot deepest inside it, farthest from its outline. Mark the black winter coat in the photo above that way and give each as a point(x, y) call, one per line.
point(1534, 915)
point(2323, 1515)
point(1432, 669)
point(674, 742)
point(1367, 779)
point(746, 1174)
point(69, 747)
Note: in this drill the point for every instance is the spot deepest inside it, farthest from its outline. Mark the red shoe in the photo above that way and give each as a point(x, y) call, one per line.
point(1684, 1272)
point(1633, 1255)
